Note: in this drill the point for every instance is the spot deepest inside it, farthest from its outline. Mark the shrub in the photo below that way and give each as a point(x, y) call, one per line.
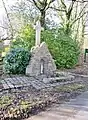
point(63, 48)
point(16, 60)
point(25, 38)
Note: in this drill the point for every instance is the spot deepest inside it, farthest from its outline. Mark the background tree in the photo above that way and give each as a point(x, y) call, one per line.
point(42, 6)
point(9, 21)
point(69, 13)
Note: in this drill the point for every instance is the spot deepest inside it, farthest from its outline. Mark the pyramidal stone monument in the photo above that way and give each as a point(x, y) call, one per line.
point(41, 62)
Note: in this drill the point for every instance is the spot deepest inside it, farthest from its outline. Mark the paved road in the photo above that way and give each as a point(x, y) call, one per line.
point(76, 109)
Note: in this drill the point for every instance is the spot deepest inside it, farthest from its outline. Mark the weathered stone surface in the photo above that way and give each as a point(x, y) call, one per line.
point(58, 79)
point(20, 82)
point(41, 62)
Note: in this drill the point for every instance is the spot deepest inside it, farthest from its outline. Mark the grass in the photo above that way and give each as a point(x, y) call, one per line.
point(70, 88)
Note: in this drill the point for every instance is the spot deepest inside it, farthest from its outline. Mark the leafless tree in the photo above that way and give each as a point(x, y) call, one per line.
point(9, 21)
point(42, 6)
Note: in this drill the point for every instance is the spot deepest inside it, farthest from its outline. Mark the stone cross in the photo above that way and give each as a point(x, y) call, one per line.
point(38, 33)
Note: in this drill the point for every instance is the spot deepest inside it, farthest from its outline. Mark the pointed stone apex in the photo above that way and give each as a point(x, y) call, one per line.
point(41, 62)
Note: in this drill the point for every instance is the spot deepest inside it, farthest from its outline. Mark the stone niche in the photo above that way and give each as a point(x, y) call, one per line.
point(41, 62)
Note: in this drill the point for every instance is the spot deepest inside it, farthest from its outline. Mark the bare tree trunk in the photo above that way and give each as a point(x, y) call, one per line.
point(42, 19)
point(82, 20)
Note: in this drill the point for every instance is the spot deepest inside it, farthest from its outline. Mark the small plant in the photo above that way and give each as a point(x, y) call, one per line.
point(16, 60)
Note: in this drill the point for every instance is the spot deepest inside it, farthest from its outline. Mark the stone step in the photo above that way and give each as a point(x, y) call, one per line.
point(1, 63)
point(1, 70)
point(1, 66)
point(1, 60)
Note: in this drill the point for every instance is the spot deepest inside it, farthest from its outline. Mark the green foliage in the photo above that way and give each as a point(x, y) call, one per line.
point(63, 48)
point(25, 38)
point(16, 60)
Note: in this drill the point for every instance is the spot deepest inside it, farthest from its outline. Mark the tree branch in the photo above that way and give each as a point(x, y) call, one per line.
point(64, 6)
point(57, 9)
point(8, 17)
point(68, 14)
point(3, 27)
point(82, 9)
point(35, 3)
point(79, 17)
point(48, 5)
point(7, 38)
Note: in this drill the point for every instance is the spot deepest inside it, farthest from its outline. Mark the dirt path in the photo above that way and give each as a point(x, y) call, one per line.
point(76, 109)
